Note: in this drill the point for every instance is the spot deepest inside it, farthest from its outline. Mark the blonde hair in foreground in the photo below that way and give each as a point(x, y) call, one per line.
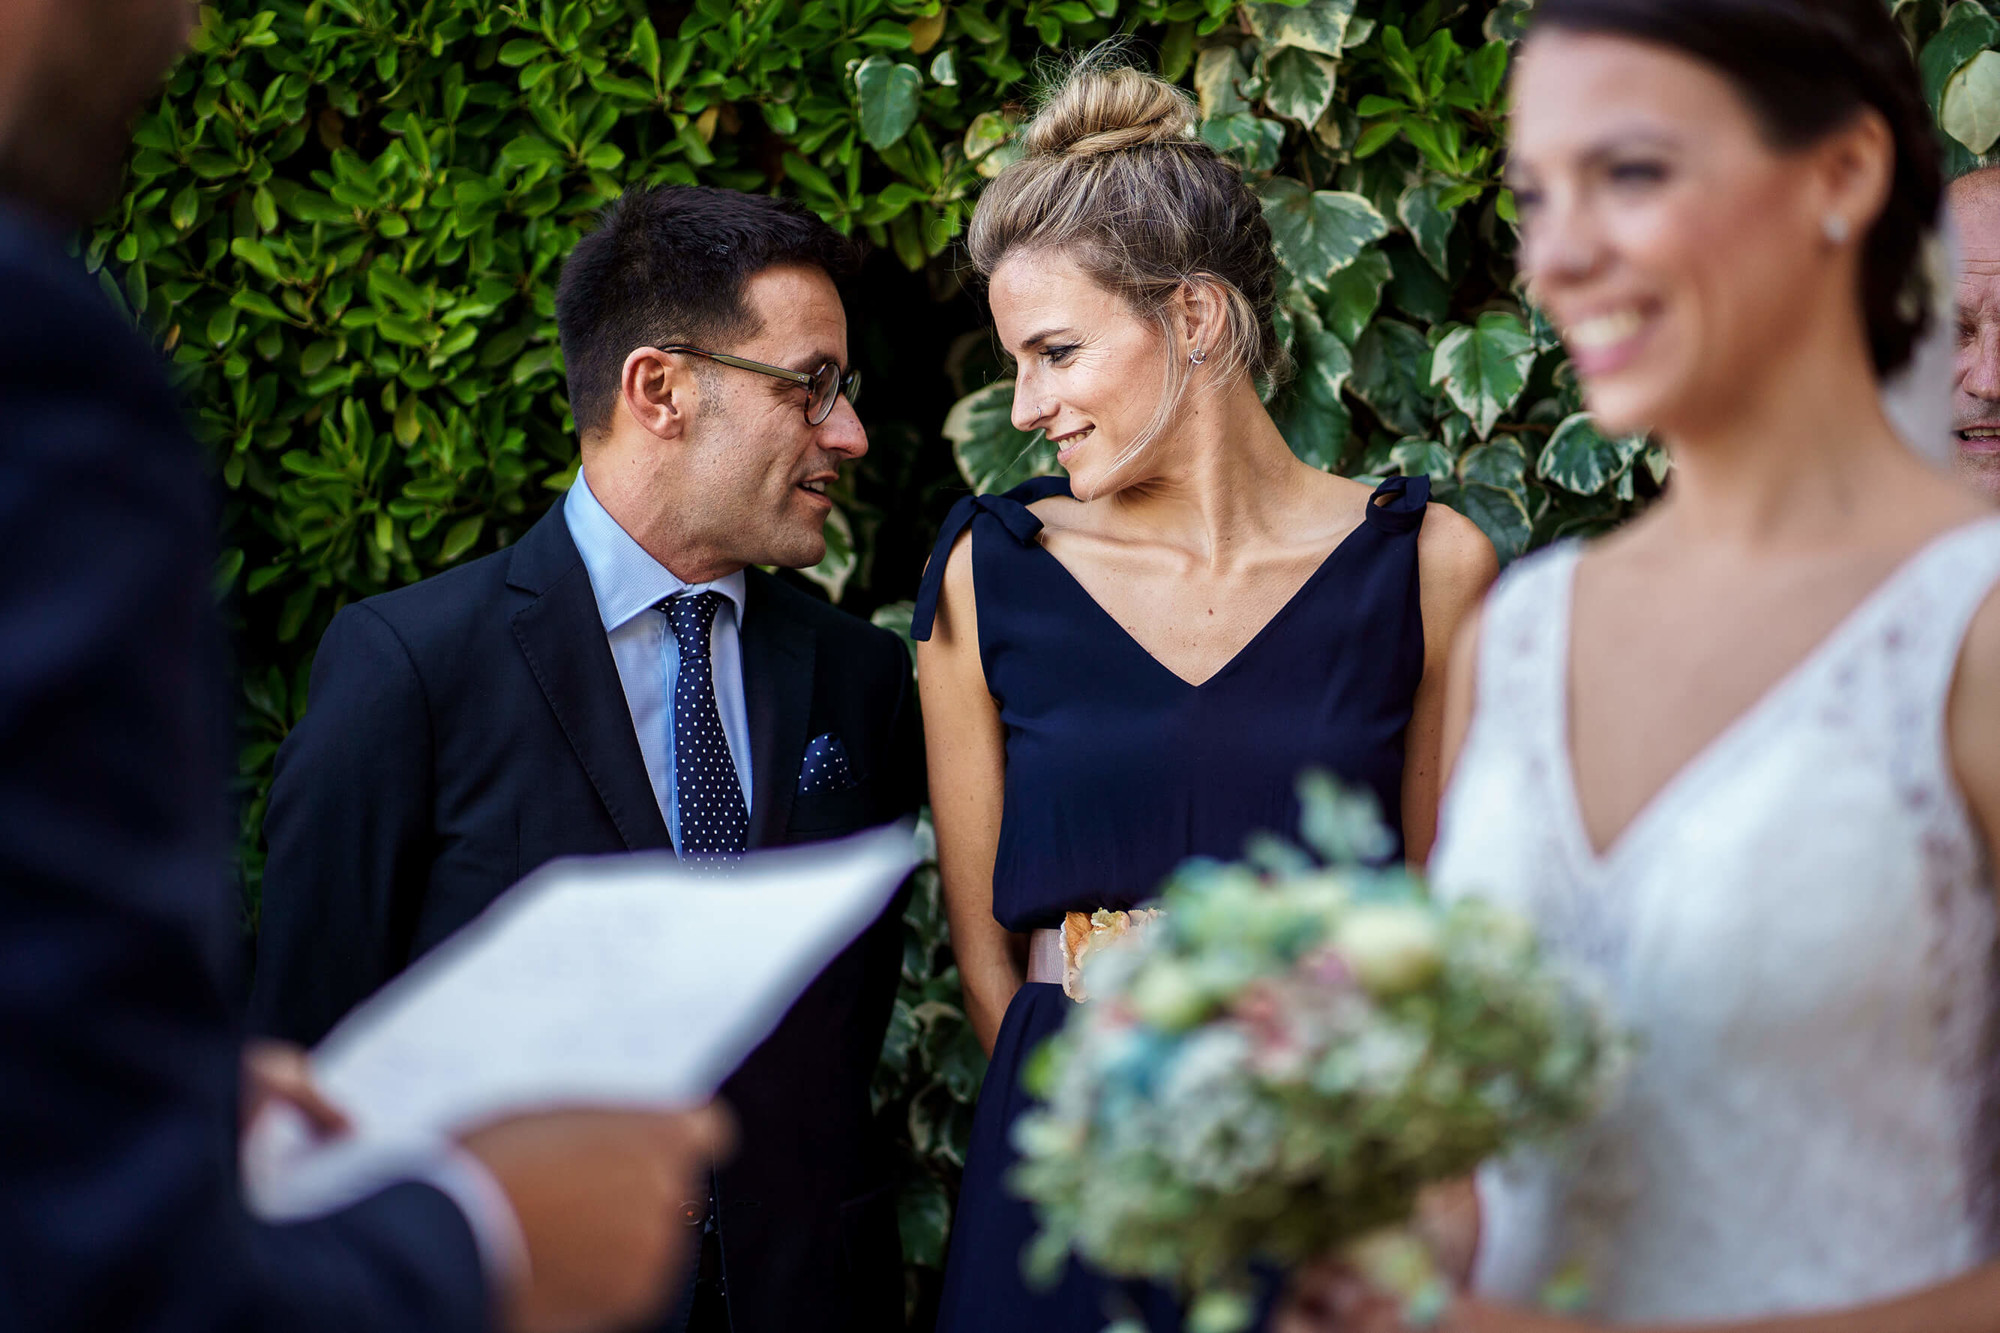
point(1115, 178)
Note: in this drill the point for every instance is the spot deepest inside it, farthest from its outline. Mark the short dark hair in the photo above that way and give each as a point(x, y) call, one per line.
point(1806, 68)
point(668, 264)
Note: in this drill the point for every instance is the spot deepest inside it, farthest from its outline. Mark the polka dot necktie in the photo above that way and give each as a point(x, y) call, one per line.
point(710, 799)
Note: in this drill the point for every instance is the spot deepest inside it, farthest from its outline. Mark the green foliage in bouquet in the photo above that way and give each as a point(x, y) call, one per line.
point(1276, 1066)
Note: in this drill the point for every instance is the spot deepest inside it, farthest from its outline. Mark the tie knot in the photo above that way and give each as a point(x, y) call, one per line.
point(691, 616)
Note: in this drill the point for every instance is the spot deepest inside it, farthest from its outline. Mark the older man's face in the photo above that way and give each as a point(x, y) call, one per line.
point(1975, 208)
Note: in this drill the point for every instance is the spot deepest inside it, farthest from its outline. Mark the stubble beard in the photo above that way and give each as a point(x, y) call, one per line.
point(1979, 471)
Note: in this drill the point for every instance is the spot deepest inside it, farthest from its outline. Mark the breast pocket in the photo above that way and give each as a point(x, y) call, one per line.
point(830, 812)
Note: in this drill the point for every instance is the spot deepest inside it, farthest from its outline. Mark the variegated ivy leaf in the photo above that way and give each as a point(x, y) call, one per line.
point(1389, 376)
point(1330, 131)
point(1298, 84)
point(1310, 414)
point(1508, 22)
point(1316, 430)
point(991, 454)
point(1426, 211)
point(1317, 25)
point(1501, 514)
point(1968, 29)
point(1971, 112)
point(1251, 142)
point(1581, 458)
point(1502, 463)
point(837, 565)
point(1484, 368)
point(1422, 458)
point(895, 617)
point(1318, 232)
point(1355, 293)
point(1218, 81)
point(1324, 362)
point(990, 144)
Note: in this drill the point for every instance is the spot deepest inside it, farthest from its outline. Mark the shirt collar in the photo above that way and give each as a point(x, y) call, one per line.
point(623, 577)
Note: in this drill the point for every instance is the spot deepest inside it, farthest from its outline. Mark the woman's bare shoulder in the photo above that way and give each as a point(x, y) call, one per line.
point(956, 613)
point(1453, 549)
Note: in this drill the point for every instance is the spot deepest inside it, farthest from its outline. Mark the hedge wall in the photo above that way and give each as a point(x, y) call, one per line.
point(344, 218)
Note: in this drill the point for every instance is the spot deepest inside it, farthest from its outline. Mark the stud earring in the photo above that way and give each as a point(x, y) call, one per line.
point(1197, 356)
point(1836, 228)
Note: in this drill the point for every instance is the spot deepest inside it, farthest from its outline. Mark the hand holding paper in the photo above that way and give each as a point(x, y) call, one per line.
point(630, 981)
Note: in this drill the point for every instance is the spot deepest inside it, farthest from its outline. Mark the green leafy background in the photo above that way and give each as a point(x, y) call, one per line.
point(344, 219)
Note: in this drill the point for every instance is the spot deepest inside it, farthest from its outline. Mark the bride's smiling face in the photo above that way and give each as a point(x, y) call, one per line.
point(1090, 372)
point(1673, 246)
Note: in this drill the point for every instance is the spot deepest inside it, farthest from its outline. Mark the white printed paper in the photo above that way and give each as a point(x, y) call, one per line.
point(617, 981)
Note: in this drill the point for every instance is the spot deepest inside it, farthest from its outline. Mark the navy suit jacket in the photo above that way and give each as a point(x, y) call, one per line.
point(464, 730)
point(119, 1044)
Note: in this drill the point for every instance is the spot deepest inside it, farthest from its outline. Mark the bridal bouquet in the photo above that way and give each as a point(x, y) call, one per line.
point(1274, 1068)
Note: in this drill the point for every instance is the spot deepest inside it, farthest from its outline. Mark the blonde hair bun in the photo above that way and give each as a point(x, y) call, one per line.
point(1144, 224)
point(1102, 108)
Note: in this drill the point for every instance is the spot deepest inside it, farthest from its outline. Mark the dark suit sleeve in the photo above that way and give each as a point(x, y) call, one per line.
point(906, 739)
point(349, 831)
point(119, 1202)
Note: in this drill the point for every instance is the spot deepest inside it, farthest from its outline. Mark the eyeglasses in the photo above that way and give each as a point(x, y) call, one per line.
point(826, 383)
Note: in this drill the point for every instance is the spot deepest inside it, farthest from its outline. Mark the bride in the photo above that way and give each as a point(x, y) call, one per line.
point(1741, 760)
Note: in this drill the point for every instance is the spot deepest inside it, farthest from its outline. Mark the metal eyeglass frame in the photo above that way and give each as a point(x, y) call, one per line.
point(828, 380)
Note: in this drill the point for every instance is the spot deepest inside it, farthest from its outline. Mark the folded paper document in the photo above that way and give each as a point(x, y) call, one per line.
point(622, 981)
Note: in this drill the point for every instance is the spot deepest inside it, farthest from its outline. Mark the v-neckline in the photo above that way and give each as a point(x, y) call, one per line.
point(1249, 645)
point(1734, 736)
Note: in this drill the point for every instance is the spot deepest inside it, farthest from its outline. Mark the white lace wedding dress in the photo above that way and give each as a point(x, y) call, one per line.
point(1799, 929)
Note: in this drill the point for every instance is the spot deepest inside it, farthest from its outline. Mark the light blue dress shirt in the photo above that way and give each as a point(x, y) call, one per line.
point(629, 584)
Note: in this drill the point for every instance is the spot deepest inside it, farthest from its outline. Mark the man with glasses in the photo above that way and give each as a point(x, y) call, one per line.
point(625, 677)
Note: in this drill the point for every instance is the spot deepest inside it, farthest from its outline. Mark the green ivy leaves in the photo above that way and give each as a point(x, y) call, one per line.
point(1962, 82)
point(1971, 105)
point(1318, 232)
point(1298, 84)
point(991, 454)
point(1580, 459)
point(1484, 368)
point(1318, 25)
point(1968, 29)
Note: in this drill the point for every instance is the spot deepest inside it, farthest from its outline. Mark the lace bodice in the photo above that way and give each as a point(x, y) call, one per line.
point(1799, 931)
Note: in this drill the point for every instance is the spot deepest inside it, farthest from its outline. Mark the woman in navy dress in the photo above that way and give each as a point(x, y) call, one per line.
point(1132, 666)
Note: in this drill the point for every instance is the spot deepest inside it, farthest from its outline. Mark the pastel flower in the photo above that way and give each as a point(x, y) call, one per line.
point(1393, 948)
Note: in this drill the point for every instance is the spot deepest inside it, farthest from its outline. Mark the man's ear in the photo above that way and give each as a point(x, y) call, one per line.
point(658, 390)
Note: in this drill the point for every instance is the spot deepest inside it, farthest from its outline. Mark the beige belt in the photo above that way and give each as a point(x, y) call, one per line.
point(1045, 956)
point(1055, 956)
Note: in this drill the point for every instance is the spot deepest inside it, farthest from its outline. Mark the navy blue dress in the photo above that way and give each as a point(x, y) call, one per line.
point(1118, 770)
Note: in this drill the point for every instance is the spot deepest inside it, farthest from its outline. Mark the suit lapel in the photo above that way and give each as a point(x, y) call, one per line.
point(777, 688)
point(562, 637)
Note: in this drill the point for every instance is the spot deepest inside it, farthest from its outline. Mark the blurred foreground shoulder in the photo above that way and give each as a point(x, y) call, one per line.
point(1973, 720)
